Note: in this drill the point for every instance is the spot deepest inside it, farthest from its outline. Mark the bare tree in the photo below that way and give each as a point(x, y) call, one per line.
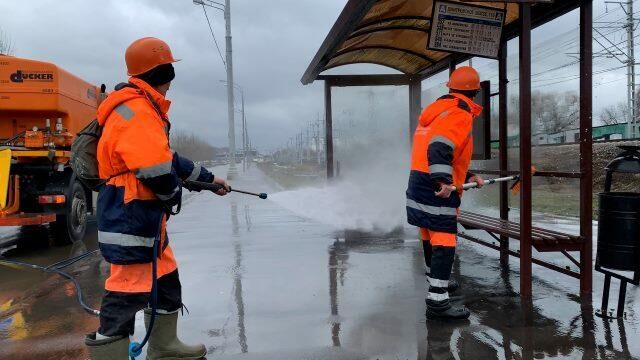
point(614, 114)
point(555, 112)
point(6, 44)
point(192, 146)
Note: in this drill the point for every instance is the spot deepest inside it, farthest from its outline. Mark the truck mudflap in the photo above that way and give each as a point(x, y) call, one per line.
point(5, 167)
point(27, 219)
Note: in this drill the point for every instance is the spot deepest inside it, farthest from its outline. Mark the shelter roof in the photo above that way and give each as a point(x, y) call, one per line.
point(394, 33)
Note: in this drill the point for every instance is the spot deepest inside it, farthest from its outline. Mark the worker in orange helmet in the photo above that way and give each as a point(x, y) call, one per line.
point(144, 177)
point(442, 148)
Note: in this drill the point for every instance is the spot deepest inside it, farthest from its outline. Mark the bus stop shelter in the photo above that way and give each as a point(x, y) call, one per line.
point(396, 34)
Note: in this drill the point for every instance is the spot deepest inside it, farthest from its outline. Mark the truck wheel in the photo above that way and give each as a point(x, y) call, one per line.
point(72, 225)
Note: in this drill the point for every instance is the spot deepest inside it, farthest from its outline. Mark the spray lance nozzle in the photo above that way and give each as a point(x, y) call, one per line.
point(199, 186)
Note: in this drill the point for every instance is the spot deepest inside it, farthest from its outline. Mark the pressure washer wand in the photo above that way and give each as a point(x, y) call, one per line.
point(515, 188)
point(473, 185)
point(199, 185)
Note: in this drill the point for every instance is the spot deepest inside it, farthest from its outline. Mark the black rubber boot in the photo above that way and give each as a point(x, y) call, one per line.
point(447, 313)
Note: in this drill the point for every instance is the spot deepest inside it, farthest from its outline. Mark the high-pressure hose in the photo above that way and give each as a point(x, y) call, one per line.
point(135, 348)
point(56, 269)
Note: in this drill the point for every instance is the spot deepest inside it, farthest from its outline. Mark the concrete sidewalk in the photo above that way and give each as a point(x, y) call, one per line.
point(263, 283)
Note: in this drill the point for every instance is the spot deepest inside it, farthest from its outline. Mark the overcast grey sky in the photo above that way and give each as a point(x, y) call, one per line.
point(273, 42)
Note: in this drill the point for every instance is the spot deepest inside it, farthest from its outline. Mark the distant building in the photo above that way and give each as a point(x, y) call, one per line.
point(611, 132)
point(571, 136)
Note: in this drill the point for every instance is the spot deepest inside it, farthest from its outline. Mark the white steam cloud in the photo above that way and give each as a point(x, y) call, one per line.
point(372, 147)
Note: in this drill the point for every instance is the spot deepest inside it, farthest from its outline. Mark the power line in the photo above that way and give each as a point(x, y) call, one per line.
point(214, 36)
point(576, 77)
point(552, 46)
point(608, 82)
point(625, 57)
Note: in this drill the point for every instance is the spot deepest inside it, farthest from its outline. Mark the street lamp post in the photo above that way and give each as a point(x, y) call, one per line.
point(244, 124)
point(244, 136)
point(232, 172)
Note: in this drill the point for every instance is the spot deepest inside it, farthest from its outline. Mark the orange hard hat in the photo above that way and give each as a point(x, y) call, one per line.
point(147, 53)
point(464, 78)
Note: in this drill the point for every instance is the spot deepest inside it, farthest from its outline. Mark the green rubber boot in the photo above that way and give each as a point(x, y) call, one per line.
point(113, 348)
point(164, 343)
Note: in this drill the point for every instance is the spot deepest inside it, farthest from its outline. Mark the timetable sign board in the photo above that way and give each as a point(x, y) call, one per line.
point(468, 29)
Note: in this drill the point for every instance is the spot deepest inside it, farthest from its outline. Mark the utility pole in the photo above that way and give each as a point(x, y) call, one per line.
point(300, 150)
point(631, 72)
point(244, 136)
point(247, 151)
point(226, 8)
point(318, 154)
point(307, 144)
point(233, 172)
point(628, 58)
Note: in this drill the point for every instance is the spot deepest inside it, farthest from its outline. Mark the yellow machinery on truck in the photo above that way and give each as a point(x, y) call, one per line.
point(42, 108)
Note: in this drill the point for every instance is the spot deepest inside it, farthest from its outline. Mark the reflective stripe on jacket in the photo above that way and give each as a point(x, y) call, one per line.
point(134, 147)
point(442, 149)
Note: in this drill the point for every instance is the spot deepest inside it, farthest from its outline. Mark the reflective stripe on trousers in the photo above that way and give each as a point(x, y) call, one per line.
point(432, 210)
point(434, 296)
point(437, 282)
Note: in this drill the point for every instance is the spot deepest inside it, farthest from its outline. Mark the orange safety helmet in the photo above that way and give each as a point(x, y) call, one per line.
point(464, 78)
point(147, 53)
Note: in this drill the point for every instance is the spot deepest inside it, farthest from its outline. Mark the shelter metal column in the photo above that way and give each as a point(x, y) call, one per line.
point(328, 127)
point(586, 149)
point(415, 104)
point(525, 150)
point(503, 155)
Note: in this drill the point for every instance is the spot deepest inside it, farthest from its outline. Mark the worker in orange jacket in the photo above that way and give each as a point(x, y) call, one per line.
point(442, 149)
point(144, 178)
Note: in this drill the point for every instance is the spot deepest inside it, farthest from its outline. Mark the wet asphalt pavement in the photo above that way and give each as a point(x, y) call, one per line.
point(263, 283)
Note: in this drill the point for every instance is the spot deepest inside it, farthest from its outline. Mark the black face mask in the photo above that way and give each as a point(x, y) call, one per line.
point(159, 75)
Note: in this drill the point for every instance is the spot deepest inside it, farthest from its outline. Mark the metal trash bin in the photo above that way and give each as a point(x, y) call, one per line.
point(619, 228)
point(619, 219)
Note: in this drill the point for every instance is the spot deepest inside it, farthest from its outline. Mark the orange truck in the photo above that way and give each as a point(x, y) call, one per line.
point(42, 108)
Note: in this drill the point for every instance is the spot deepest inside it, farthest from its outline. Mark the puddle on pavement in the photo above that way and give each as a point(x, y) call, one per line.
point(39, 313)
point(262, 283)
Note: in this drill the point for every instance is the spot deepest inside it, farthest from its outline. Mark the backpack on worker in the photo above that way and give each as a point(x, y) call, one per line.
point(84, 149)
point(84, 160)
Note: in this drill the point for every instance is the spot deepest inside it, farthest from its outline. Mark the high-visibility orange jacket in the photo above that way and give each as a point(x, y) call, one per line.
point(442, 149)
point(144, 181)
